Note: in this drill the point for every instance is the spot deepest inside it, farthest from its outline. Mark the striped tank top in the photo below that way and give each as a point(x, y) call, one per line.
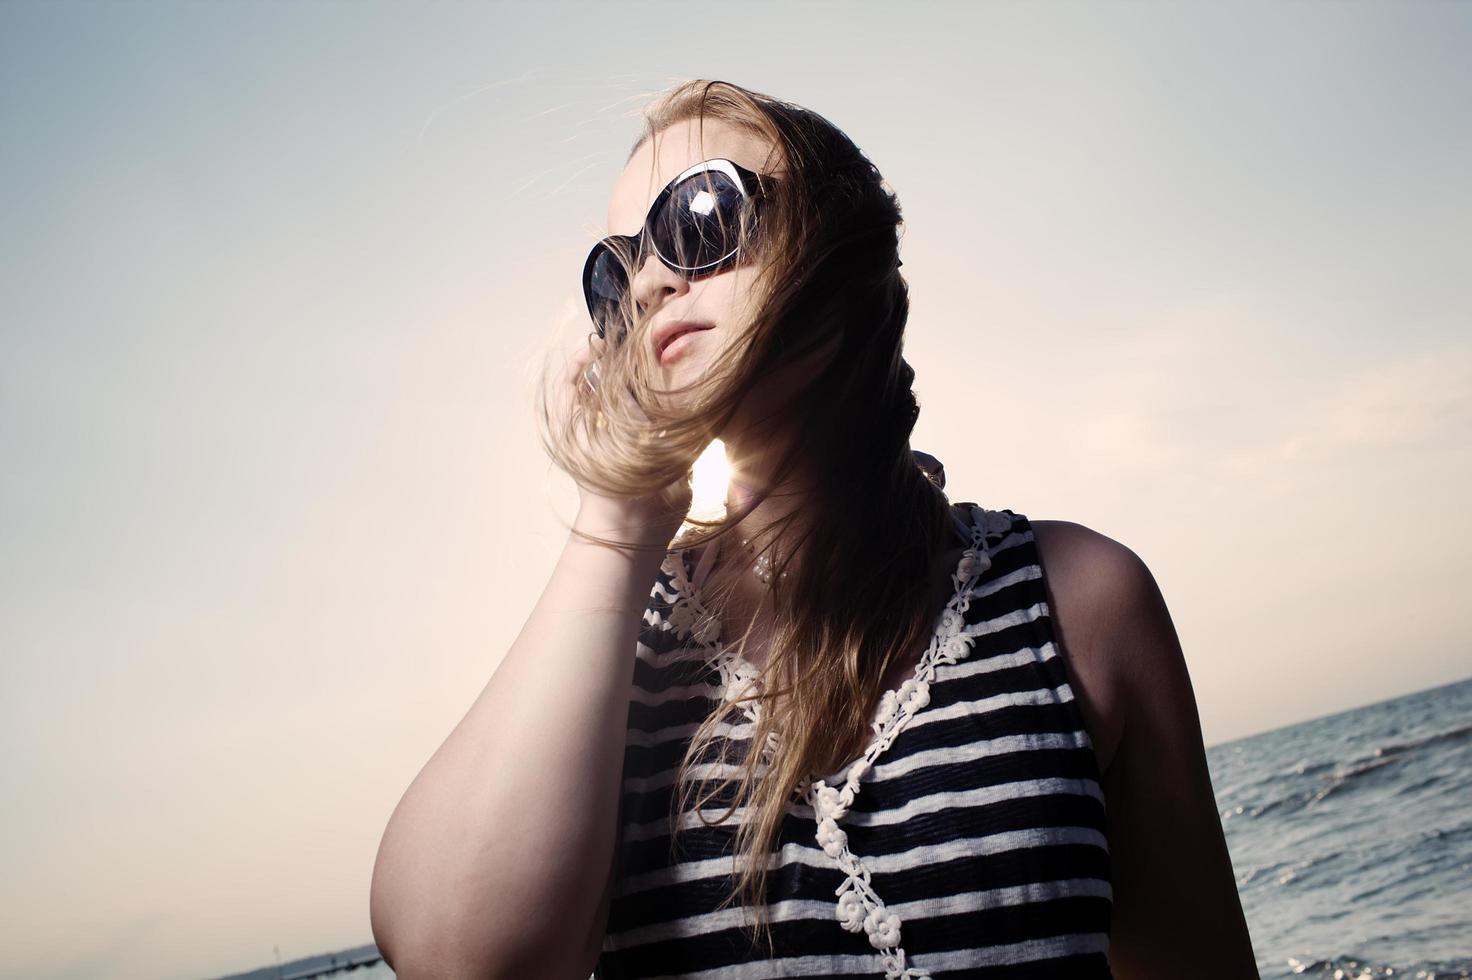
point(968, 840)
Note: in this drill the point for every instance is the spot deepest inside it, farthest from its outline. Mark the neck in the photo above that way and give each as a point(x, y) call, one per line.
point(759, 491)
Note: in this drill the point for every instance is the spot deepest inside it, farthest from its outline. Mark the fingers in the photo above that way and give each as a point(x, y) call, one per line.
point(581, 371)
point(581, 355)
point(596, 348)
point(585, 376)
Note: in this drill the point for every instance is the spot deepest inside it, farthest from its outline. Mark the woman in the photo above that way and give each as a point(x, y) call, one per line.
point(860, 733)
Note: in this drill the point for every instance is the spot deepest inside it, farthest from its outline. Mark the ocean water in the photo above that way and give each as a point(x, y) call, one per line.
point(1351, 836)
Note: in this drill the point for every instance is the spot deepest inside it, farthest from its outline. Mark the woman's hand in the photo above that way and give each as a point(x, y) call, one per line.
point(652, 518)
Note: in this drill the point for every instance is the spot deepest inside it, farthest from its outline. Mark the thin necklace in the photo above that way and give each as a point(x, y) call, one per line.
point(761, 567)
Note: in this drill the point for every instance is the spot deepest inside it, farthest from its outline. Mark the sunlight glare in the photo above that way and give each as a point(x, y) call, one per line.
point(712, 474)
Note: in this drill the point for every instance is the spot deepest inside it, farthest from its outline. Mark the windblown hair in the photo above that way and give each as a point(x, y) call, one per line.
point(822, 248)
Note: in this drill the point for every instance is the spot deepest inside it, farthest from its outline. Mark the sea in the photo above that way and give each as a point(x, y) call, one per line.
point(1350, 835)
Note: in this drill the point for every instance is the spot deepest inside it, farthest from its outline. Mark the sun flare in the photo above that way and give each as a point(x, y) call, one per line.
point(711, 476)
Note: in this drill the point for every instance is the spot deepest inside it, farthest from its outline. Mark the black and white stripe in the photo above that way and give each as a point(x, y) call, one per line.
point(983, 823)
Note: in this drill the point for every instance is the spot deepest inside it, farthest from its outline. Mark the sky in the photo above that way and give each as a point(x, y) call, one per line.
point(276, 281)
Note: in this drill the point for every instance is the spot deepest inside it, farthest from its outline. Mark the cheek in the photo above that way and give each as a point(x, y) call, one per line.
point(730, 297)
point(725, 299)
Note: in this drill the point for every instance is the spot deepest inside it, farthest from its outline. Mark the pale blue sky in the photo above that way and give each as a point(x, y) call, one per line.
point(274, 281)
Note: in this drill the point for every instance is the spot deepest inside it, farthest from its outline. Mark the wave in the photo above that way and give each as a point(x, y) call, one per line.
point(1297, 868)
point(1349, 968)
point(1340, 780)
point(1451, 735)
point(1348, 777)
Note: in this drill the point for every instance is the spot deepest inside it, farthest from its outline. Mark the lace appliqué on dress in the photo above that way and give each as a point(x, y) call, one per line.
point(860, 909)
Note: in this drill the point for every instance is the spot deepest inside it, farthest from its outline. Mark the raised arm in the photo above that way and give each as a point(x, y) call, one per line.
point(498, 860)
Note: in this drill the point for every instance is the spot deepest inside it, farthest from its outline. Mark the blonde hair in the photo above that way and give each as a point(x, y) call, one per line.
point(823, 250)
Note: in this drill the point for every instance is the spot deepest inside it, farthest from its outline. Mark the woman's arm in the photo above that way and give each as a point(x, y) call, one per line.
point(497, 861)
point(1176, 908)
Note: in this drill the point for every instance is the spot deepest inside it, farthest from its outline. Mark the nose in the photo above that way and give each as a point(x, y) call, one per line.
point(656, 283)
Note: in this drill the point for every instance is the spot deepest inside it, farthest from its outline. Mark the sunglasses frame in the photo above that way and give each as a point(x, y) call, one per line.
point(748, 182)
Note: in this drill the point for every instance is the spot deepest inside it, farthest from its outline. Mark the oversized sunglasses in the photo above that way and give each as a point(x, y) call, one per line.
point(694, 228)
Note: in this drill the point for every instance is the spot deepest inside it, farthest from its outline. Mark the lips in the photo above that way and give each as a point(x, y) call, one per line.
point(666, 333)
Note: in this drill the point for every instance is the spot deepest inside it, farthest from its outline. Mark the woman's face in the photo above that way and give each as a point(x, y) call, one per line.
point(717, 303)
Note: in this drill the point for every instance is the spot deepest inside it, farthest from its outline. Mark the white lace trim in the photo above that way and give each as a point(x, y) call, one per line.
point(688, 614)
point(859, 909)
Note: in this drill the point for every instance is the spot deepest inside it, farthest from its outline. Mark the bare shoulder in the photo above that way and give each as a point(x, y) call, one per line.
point(1097, 588)
point(1174, 889)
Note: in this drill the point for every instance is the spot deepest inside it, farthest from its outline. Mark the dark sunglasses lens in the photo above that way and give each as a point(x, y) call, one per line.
point(700, 223)
point(607, 283)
